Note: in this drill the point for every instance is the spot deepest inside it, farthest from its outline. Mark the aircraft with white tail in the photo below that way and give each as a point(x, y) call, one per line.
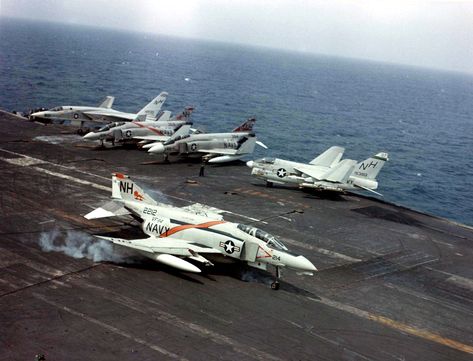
point(145, 132)
point(183, 237)
point(213, 147)
point(103, 113)
point(326, 172)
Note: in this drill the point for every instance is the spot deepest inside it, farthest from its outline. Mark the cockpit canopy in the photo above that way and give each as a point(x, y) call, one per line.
point(270, 240)
point(56, 109)
point(265, 160)
point(110, 126)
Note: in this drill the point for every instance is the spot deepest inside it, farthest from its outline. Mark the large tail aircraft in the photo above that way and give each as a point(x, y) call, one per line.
point(184, 237)
point(325, 172)
point(215, 147)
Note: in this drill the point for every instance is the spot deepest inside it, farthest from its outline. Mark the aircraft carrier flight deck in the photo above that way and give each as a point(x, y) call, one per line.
point(393, 284)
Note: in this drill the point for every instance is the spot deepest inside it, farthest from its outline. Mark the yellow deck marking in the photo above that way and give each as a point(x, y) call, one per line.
point(425, 334)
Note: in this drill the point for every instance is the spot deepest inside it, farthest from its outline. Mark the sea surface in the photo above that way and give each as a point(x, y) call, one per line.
point(303, 103)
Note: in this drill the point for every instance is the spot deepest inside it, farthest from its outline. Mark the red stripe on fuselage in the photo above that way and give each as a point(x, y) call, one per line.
point(188, 226)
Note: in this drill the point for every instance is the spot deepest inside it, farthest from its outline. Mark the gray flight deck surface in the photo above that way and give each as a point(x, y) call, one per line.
point(393, 284)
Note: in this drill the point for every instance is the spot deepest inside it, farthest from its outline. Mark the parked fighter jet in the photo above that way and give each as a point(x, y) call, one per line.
point(216, 147)
point(80, 114)
point(150, 131)
point(326, 172)
point(175, 233)
point(70, 112)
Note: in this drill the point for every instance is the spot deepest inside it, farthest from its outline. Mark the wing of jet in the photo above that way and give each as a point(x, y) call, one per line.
point(329, 158)
point(152, 138)
point(107, 102)
point(337, 174)
point(168, 251)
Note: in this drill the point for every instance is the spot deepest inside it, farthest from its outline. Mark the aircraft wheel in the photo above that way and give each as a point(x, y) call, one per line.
point(269, 184)
point(275, 285)
point(80, 131)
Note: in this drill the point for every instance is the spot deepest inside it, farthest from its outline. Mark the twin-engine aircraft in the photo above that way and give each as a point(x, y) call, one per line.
point(103, 113)
point(159, 130)
point(326, 172)
point(176, 235)
point(215, 147)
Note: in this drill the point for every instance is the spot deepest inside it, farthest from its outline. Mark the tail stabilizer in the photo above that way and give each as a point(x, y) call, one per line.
point(329, 158)
point(370, 167)
point(247, 126)
point(107, 102)
point(185, 114)
point(123, 188)
point(152, 109)
point(164, 116)
point(247, 145)
point(110, 209)
point(341, 172)
point(180, 132)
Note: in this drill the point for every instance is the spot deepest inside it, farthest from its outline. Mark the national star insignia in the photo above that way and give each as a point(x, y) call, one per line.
point(281, 173)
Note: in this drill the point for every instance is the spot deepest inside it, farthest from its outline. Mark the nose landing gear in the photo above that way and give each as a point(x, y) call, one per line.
point(275, 285)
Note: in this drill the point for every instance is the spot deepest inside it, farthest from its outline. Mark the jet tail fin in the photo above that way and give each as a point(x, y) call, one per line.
point(123, 188)
point(329, 158)
point(370, 167)
point(152, 109)
point(107, 102)
point(185, 114)
point(247, 126)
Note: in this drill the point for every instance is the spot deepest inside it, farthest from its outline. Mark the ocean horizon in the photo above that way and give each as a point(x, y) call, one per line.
point(303, 102)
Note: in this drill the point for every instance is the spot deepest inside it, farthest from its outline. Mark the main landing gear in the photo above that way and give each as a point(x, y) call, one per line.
point(275, 285)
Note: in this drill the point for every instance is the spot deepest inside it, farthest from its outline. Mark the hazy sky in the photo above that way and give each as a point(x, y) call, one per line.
point(431, 33)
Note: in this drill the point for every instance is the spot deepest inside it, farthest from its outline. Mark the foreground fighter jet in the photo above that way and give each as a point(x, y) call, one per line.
point(104, 113)
point(150, 131)
point(326, 172)
point(176, 235)
point(215, 147)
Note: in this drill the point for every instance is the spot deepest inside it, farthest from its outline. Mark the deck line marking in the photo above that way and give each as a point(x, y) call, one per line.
point(425, 334)
point(109, 327)
point(54, 164)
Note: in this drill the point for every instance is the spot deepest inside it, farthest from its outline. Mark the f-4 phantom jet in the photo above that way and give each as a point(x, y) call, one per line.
point(176, 235)
point(159, 130)
point(326, 172)
point(215, 147)
point(104, 113)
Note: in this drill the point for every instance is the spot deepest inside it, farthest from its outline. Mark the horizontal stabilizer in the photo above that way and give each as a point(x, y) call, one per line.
point(341, 172)
point(110, 209)
point(329, 158)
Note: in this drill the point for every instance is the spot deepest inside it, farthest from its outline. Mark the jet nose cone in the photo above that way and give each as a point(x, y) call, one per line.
point(158, 148)
point(305, 265)
point(90, 136)
point(250, 163)
point(37, 115)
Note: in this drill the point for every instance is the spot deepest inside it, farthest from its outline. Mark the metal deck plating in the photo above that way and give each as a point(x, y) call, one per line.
point(393, 284)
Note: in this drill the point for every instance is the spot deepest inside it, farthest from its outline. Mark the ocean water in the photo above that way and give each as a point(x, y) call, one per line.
point(303, 103)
